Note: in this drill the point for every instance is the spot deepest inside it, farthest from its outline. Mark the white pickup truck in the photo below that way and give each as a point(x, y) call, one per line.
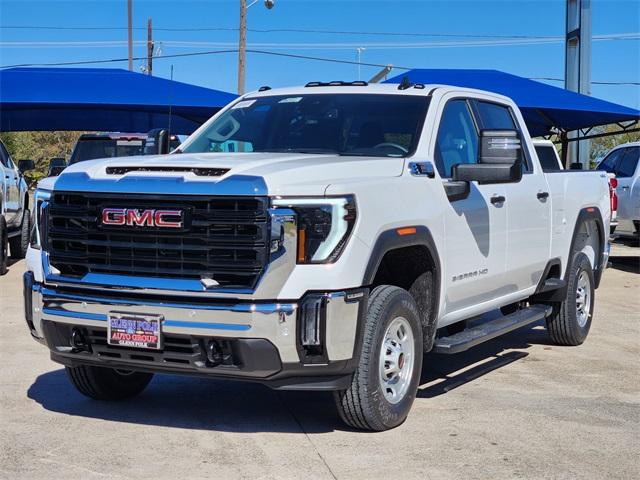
point(317, 238)
point(15, 218)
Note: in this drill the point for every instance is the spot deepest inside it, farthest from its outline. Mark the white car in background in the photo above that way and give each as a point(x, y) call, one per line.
point(623, 162)
point(548, 155)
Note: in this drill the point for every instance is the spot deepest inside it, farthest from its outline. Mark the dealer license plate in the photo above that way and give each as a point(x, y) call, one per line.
point(134, 330)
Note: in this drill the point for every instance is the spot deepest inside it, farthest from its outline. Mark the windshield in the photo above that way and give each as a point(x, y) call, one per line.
point(92, 148)
point(345, 124)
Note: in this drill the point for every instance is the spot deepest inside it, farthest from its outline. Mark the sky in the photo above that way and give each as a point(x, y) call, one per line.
point(434, 34)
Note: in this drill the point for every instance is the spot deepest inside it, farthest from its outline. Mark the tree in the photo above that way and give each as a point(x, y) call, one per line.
point(39, 147)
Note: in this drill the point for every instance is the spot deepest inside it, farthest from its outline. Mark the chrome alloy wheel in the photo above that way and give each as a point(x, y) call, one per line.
point(397, 358)
point(583, 299)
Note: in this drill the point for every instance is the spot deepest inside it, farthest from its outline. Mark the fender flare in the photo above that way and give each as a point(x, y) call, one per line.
point(390, 240)
point(585, 215)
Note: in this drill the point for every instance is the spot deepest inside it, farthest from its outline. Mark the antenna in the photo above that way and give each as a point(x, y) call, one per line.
point(170, 100)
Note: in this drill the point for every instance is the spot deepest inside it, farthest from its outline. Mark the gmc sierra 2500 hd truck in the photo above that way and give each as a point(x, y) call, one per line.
point(320, 238)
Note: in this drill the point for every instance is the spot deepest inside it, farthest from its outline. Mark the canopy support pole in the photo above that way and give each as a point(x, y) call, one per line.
point(564, 140)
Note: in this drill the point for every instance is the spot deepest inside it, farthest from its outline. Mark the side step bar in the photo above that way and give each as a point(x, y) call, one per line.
point(474, 336)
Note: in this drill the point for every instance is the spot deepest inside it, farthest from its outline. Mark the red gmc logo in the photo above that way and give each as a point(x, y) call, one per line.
point(132, 217)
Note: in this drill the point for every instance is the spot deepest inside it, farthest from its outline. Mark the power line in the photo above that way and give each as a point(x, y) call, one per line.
point(261, 52)
point(318, 46)
point(271, 30)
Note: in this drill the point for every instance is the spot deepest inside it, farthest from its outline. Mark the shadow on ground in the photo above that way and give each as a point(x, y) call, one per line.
point(195, 403)
point(626, 263)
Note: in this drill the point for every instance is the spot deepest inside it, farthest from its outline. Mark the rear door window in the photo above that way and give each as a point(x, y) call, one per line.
point(548, 158)
point(495, 117)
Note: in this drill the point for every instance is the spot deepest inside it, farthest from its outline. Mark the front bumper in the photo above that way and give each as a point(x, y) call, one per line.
point(260, 341)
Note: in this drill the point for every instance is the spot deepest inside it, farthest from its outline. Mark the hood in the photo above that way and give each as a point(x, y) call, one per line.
point(223, 174)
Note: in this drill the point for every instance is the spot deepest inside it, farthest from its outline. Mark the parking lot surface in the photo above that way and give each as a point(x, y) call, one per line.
point(515, 407)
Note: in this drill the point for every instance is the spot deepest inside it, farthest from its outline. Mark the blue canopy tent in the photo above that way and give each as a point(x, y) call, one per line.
point(101, 99)
point(543, 106)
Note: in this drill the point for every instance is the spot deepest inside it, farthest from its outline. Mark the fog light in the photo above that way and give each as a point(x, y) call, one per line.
point(214, 352)
point(312, 313)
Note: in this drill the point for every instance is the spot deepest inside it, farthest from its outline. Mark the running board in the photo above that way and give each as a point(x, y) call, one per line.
point(475, 335)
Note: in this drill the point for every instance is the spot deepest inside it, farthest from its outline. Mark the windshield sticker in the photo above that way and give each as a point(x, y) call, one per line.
point(290, 100)
point(243, 104)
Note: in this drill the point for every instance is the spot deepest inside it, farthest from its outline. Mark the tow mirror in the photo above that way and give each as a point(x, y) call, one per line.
point(499, 159)
point(26, 165)
point(157, 142)
point(56, 166)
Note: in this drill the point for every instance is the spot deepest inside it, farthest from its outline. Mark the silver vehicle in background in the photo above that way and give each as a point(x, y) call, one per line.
point(623, 162)
point(15, 224)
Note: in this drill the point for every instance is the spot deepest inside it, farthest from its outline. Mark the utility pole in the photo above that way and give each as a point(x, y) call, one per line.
point(242, 41)
point(130, 30)
point(577, 69)
point(242, 46)
point(149, 48)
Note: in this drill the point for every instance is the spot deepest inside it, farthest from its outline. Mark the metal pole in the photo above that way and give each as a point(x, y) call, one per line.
point(359, 50)
point(577, 76)
point(565, 146)
point(149, 48)
point(130, 30)
point(242, 46)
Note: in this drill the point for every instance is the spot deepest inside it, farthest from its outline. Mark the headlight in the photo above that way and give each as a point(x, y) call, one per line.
point(41, 199)
point(323, 224)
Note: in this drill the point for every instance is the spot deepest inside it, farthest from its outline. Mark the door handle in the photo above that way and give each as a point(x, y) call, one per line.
point(498, 199)
point(542, 195)
point(625, 187)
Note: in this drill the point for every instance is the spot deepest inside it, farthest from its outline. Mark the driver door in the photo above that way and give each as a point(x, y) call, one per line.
point(475, 226)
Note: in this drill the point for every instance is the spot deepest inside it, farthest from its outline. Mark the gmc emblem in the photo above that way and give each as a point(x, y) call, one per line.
point(132, 217)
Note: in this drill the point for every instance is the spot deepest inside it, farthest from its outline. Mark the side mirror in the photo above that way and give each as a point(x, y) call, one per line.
point(26, 165)
point(157, 142)
point(499, 159)
point(576, 166)
point(56, 166)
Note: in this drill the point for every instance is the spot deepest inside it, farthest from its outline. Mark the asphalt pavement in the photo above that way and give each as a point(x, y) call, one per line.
point(515, 407)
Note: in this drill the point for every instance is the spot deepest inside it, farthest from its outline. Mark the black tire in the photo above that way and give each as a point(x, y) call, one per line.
point(364, 405)
point(612, 230)
point(4, 246)
point(102, 383)
point(20, 243)
point(565, 325)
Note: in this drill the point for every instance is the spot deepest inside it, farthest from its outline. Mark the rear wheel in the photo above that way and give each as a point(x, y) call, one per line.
point(4, 250)
point(20, 243)
point(102, 383)
point(571, 318)
point(384, 385)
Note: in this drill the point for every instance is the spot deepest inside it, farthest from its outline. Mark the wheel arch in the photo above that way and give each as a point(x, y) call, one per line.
point(585, 216)
point(401, 260)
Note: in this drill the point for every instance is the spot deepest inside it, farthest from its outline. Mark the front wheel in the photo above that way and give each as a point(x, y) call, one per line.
point(384, 385)
point(20, 243)
point(102, 383)
point(571, 318)
point(4, 246)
